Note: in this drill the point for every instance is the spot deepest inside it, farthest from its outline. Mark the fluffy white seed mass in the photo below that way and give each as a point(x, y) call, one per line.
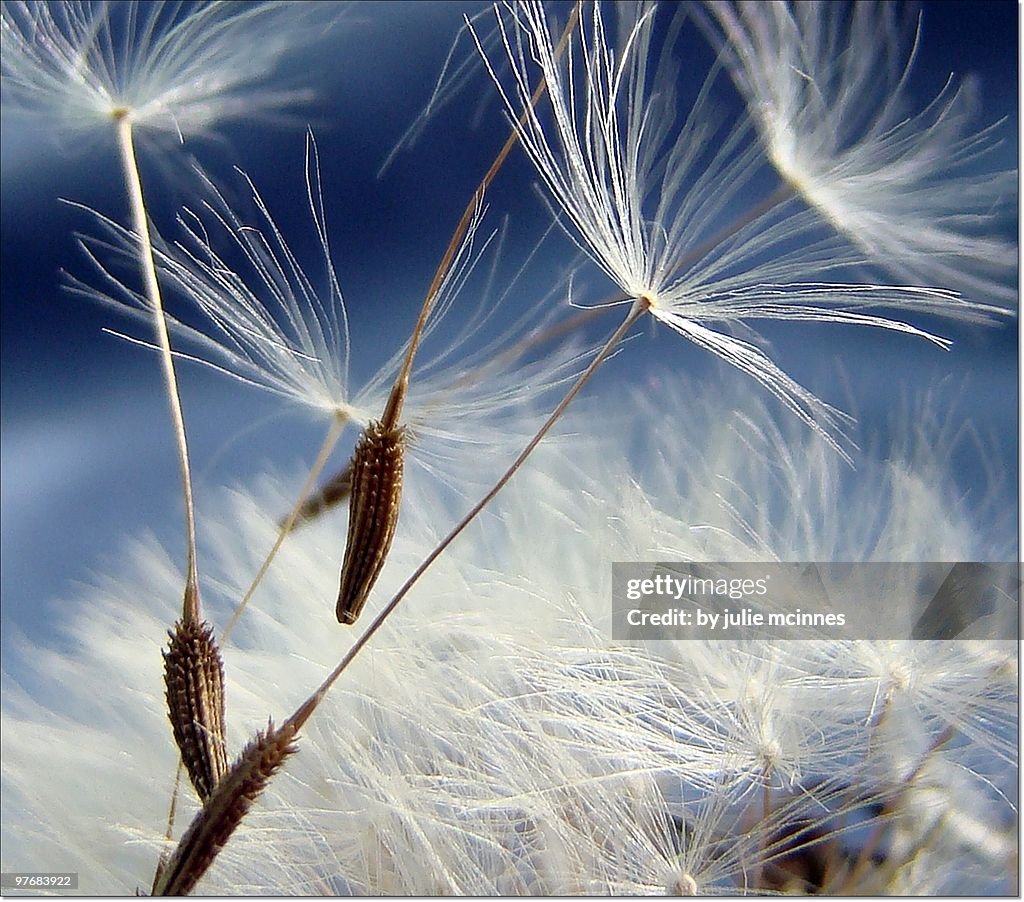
point(495, 738)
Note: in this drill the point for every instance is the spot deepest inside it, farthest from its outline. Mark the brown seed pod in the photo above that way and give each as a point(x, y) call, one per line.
point(194, 677)
point(377, 467)
point(331, 493)
point(223, 810)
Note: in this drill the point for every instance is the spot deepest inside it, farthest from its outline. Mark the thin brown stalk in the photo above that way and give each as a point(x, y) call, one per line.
point(867, 851)
point(639, 307)
point(193, 668)
point(394, 406)
point(330, 440)
point(781, 194)
point(376, 495)
point(766, 810)
point(169, 832)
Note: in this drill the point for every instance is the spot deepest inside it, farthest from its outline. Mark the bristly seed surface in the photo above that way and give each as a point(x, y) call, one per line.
point(223, 811)
point(376, 494)
point(194, 677)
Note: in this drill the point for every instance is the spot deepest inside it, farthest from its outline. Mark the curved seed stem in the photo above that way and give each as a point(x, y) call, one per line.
point(140, 224)
point(297, 719)
point(169, 832)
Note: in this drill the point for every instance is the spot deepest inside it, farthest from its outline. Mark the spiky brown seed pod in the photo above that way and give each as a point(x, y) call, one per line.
point(333, 492)
point(194, 677)
point(377, 467)
point(223, 811)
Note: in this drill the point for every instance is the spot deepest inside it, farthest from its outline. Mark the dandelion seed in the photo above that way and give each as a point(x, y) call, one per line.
point(273, 323)
point(377, 467)
point(224, 810)
point(146, 68)
point(194, 676)
point(828, 87)
point(331, 493)
point(650, 197)
point(171, 68)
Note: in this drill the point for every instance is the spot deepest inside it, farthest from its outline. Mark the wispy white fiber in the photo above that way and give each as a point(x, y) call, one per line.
point(667, 197)
point(919, 188)
point(495, 738)
point(178, 68)
point(270, 320)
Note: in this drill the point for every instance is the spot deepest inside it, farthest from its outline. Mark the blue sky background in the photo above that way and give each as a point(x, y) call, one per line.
point(87, 458)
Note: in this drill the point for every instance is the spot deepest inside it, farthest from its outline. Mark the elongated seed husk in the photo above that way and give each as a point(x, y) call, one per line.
point(194, 677)
point(330, 494)
point(212, 827)
point(377, 467)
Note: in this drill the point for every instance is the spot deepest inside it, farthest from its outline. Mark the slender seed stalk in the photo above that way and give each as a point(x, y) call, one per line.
point(867, 851)
point(172, 812)
point(330, 440)
point(193, 675)
point(765, 840)
point(338, 487)
point(780, 195)
point(392, 412)
point(140, 223)
point(376, 489)
point(640, 306)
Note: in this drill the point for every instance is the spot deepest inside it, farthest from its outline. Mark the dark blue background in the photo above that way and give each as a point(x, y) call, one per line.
point(87, 456)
